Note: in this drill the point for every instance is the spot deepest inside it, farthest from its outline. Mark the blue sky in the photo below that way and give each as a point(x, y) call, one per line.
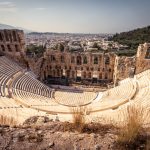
point(76, 16)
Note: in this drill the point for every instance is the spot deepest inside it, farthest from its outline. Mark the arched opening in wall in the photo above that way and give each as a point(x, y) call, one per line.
point(68, 73)
point(62, 59)
point(147, 56)
point(109, 70)
point(89, 75)
point(10, 37)
point(106, 76)
point(58, 73)
point(44, 75)
point(53, 59)
point(61, 72)
point(9, 48)
point(17, 48)
point(6, 35)
point(100, 76)
point(1, 37)
point(84, 75)
point(14, 36)
point(54, 73)
point(79, 60)
point(95, 60)
point(107, 60)
point(72, 59)
point(85, 60)
point(3, 48)
point(73, 74)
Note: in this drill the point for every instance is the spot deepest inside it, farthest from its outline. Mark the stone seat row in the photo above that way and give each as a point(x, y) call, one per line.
point(11, 109)
point(141, 98)
point(74, 98)
point(30, 84)
point(115, 97)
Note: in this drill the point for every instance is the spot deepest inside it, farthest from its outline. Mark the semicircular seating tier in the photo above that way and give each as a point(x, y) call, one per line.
point(11, 111)
point(22, 96)
point(74, 98)
point(115, 97)
point(141, 98)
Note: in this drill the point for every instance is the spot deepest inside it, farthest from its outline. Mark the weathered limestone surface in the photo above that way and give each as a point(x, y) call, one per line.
point(143, 58)
point(124, 67)
point(84, 65)
point(12, 42)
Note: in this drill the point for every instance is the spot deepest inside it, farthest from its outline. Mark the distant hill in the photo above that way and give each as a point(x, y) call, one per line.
point(133, 38)
point(5, 26)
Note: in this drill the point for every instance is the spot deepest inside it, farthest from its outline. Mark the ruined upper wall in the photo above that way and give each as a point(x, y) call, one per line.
point(12, 42)
point(124, 68)
point(143, 58)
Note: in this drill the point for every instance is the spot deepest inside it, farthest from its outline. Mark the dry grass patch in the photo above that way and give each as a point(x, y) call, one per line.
point(131, 132)
point(79, 117)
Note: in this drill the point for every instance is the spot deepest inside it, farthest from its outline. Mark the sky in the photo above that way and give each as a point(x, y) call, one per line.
point(76, 16)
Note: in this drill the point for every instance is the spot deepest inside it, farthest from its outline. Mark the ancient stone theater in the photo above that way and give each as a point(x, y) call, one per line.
point(95, 68)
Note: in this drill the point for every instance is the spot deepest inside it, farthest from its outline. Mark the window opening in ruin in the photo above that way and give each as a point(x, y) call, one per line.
point(6, 36)
point(53, 58)
point(84, 75)
point(72, 59)
point(148, 54)
point(68, 73)
point(85, 60)
point(107, 60)
point(14, 36)
point(1, 37)
point(9, 48)
point(62, 59)
point(95, 60)
point(89, 75)
point(3, 48)
point(58, 73)
point(79, 60)
point(106, 77)
point(100, 76)
point(73, 74)
point(17, 48)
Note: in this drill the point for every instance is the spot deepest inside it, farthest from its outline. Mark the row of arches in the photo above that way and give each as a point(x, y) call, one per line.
point(8, 36)
point(73, 74)
point(85, 60)
point(49, 67)
point(9, 48)
point(81, 60)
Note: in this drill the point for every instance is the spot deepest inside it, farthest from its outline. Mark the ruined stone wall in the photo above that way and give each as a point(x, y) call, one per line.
point(35, 65)
point(82, 66)
point(124, 68)
point(143, 58)
point(12, 43)
point(75, 65)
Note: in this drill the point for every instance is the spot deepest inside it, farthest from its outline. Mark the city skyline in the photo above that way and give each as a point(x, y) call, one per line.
point(70, 16)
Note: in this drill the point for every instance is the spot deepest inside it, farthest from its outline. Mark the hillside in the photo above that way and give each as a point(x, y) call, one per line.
point(133, 38)
point(5, 26)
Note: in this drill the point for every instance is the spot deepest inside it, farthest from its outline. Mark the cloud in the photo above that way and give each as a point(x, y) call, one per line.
point(7, 6)
point(40, 8)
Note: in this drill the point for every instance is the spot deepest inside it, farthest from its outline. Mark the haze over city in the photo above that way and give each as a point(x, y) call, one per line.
point(76, 16)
